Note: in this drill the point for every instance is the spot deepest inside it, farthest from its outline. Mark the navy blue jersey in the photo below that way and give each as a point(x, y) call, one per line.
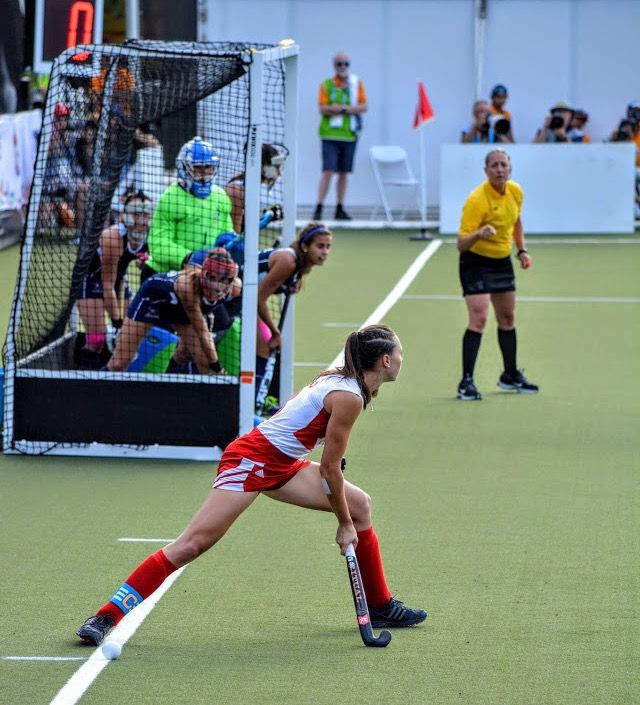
point(157, 302)
point(92, 283)
point(287, 287)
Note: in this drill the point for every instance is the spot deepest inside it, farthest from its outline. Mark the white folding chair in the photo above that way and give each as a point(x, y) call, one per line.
point(392, 170)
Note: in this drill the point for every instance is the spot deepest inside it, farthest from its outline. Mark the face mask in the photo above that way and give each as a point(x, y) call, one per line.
point(270, 175)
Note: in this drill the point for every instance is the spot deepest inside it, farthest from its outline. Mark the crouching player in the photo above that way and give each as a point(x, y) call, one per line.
point(271, 460)
point(181, 301)
point(105, 287)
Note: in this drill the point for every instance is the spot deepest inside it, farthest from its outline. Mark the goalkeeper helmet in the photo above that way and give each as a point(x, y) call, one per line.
point(196, 164)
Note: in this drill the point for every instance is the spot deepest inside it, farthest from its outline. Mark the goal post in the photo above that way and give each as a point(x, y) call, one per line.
point(91, 158)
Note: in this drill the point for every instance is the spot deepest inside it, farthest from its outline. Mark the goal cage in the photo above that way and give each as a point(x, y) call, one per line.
point(114, 121)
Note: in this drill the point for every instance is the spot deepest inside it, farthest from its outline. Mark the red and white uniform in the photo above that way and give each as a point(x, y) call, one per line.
point(268, 456)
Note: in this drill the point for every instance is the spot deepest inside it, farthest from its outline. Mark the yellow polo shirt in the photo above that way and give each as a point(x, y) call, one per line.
point(485, 206)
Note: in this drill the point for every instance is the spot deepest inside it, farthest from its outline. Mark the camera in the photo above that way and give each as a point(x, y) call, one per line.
point(499, 124)
point(556, 122)
point(622, 136)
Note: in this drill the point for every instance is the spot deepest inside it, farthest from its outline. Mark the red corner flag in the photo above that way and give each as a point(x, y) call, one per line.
point(424, 111)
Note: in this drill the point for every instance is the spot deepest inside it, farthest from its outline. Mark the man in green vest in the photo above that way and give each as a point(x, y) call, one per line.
point(342, 101)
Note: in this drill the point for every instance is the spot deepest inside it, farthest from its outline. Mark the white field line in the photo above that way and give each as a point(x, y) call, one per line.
point(335, 324)
point(572, 241)
point(127, 540)
point(398, 290)
point(77, 685)
point(535, 299)
point(322, 365)
point(45, 658)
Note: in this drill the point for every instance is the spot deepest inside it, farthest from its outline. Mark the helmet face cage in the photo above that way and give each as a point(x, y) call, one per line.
point(218, 272)
point(137, 206)
point(196, 153)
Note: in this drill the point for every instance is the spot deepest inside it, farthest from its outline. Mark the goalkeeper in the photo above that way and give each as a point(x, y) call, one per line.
point(190, 213)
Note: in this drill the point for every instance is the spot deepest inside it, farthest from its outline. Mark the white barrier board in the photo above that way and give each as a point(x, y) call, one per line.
point(568, 188)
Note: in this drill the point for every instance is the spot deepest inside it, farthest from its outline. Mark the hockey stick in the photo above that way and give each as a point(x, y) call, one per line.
point(360, 602)
point(270, 367)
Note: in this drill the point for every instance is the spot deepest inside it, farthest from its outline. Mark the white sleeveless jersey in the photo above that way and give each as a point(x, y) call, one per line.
point(301, 424)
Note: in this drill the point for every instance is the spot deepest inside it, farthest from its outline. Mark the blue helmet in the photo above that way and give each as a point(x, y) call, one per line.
point(196, 152)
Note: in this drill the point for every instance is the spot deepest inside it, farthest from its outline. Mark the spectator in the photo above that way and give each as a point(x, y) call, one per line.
point(624, 132)
point(499, 96)
point(105, 287)
point(272, 163)
point(633, 114)
point(556, 124)
point(182, 301)
point(341, 102)
point(190, 213)
point(481, 129)
point(576, 131)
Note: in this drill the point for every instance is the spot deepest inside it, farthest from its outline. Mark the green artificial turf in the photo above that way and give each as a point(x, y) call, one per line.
point(513, 521)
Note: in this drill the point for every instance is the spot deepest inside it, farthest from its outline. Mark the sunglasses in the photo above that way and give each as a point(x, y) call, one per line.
point(341, 63)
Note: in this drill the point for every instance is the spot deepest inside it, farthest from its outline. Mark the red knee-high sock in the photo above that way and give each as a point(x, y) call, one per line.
point(144, 581)
point(371, 568)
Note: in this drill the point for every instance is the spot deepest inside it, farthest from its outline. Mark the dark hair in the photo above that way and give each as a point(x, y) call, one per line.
point(307, 236)
point(266, 155)
point(362, 351)
point(139, 195)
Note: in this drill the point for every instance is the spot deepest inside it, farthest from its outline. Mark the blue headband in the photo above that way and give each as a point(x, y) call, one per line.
point(314, 231)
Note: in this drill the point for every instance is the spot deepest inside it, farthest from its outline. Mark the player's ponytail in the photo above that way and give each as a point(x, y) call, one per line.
point(362, 351)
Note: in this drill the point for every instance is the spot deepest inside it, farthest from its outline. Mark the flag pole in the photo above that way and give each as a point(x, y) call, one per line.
point(424, 235)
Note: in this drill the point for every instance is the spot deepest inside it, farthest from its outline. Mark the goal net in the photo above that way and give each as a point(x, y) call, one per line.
point(116, 327)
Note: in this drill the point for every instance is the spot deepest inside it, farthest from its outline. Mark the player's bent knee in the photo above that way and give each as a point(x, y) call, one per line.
point(360, 507)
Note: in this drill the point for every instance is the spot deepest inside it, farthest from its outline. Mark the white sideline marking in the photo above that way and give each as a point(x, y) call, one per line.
point(536, 299)
point(332, 324)
point(310, 364)
point(398, 290)
point(45, 658)
point(76, 686)
point(146, 540)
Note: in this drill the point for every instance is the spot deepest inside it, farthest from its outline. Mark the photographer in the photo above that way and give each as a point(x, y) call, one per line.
point(486, 128)
point(556, 124)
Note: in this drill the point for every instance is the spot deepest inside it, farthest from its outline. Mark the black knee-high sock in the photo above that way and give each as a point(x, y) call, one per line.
point(261, 364)
point(507, 341)
point(470, 346)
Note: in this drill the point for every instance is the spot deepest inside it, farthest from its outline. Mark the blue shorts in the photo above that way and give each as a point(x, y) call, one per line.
point(337, 156)
point(92, 287)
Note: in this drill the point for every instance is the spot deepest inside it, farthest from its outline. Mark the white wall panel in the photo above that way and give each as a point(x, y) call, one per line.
point(543, 50)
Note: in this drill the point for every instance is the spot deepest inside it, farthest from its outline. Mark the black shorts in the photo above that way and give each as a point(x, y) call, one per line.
point(337, 156)
point(485, 275)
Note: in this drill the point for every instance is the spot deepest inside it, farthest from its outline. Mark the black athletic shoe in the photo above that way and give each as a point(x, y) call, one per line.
point(516, 381)
point(341, 214)
point(395, 614)
point(467, 390)
point(317, 213)
point(94, 630)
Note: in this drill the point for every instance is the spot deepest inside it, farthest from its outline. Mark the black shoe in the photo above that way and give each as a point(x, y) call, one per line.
point(516, 381)
point(467, 390)
point(341, 214)
point(317, 213)
point(94, 630)
point(395, 614)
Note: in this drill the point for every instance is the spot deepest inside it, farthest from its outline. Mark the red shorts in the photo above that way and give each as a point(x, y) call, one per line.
point(252, 464)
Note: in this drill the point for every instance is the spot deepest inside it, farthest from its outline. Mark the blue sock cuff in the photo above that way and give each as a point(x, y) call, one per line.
point(126, 598)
